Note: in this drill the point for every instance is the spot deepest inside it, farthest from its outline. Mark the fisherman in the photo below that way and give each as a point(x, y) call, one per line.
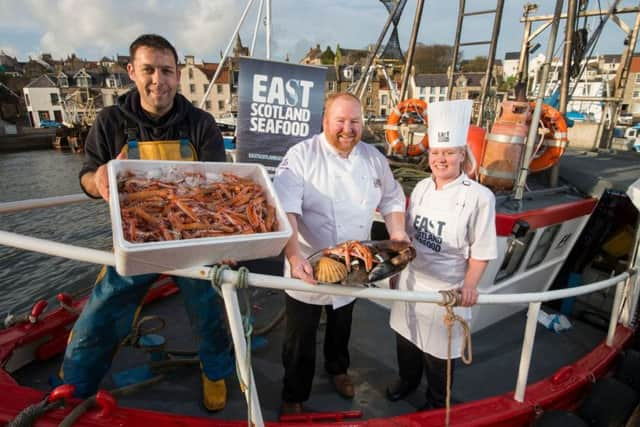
point(330, 186)
point(150, 122)
point(451, 221)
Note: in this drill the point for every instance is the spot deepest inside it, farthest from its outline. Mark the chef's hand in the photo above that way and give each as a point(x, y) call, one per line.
point(400, 237)
point(468, 296)
point(301, 269)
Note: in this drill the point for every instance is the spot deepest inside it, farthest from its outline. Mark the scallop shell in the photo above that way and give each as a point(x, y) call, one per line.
point(329, 270)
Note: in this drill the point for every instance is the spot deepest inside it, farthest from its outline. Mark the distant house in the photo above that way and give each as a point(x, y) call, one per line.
point(631, 98)
point(194, 82)
point(431, 87)
point(43, 100)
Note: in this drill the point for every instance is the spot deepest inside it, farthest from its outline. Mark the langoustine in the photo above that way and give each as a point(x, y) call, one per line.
point(188, 206)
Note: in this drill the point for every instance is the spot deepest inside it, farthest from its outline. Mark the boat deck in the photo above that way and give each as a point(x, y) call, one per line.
point(496, 354)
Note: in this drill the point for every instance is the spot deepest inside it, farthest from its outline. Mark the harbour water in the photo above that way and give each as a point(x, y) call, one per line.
point(26, 276)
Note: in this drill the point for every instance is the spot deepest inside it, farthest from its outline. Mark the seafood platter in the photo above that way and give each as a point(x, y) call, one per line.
point(361, 263)
point(168, 215)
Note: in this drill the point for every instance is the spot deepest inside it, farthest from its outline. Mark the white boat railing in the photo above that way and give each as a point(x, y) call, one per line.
point(230, 278)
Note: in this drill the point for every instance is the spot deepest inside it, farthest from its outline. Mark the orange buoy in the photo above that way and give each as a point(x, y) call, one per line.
point(554, 128)
point(504, 145)
point(392, 128)
point(476, 142)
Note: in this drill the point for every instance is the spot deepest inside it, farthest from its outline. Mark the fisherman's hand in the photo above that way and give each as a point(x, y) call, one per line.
point(468, 296)
point(101, 178)
point(301, 269)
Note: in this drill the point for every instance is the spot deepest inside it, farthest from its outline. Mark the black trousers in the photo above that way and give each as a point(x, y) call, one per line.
point(299, 349)
point(412, 362)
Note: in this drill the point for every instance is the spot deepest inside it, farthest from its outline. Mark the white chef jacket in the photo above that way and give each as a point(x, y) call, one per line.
point(334, 198)
point(447, 227)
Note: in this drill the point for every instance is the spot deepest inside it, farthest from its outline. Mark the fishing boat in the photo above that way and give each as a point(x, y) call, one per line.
point(521, 373)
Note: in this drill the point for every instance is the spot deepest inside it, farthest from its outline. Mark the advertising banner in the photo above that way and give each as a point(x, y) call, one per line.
point(279, 104)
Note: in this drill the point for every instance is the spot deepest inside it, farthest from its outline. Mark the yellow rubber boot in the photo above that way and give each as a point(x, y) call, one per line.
point(214, 394)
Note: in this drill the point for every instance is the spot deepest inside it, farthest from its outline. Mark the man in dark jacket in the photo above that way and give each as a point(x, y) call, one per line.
point(149, 120)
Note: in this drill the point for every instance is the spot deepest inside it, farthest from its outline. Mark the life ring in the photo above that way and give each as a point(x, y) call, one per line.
point(392, 128)
point(555, 141)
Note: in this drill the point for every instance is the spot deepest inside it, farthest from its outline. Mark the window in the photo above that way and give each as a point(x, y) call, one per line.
point(63, 81)
point(331, 86)
point(207, 105)
point(637, 79)
point(369, 103)
point(82, 81)
point(190, 73)
point(383, 100)
point(111, 82)
point(442, 98)
point(219, 88)
point(220, 105)
point(192, 88)
point(44, 115)
point(55, 99)
point(204, 88)
point(544, 243)
point(26, 97)
point(636, 94)
point(432, 90)
point(512, 259)
point(432, 99)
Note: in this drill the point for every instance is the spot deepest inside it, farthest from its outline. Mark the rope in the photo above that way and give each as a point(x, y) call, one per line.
point(29, 415)
point(215, 275)
point(449, 300)
point(138, 331)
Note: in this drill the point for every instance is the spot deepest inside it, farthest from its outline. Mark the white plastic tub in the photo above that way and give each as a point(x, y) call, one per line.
point(157, 257)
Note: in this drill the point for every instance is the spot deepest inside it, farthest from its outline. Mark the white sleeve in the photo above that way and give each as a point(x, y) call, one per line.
point(483, 241)
point(393, 199)
point(289, 180)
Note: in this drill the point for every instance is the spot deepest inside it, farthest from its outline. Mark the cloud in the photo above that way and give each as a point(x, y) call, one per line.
point(95, 28)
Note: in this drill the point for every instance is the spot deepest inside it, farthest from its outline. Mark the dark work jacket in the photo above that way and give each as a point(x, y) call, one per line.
point(108, 133)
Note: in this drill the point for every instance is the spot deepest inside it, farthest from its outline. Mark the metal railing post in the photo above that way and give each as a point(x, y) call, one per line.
point(615, 313)
point(230, 297)
point(527, 350)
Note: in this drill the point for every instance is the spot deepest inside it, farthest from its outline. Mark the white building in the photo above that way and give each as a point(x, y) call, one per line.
point(43, 100)
point(431, 87)
point(510, 67)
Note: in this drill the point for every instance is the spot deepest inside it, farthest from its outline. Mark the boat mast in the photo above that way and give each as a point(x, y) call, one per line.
point(394, 16)
point(232, 39)
point(572, 7)
point(533, 128)
point(622, 76)
point(412, 47)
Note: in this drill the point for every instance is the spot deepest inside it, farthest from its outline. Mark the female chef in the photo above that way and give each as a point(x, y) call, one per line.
point(451, 220)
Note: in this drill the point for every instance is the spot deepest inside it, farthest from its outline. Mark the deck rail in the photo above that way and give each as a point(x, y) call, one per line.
point(622, 308)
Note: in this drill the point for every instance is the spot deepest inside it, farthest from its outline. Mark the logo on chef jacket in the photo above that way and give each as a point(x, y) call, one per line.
point(429, 232)
point(377, 183)
point(443, 136)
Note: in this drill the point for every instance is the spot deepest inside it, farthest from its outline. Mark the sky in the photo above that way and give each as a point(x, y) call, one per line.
point(95, 28)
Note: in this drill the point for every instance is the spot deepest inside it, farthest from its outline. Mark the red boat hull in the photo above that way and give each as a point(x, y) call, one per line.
point(563, 390)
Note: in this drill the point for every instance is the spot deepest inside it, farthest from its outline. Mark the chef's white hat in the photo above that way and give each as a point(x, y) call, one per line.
point(449, 123)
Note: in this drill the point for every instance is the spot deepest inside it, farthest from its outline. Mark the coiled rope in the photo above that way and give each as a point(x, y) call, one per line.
point(450, 298)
